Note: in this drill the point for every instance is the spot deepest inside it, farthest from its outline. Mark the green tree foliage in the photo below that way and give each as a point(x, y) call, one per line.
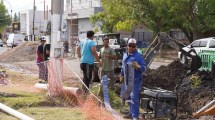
point(153, 13)
point(15, 18)
point(116, 15)
point(193, 17)
point(19, 17)
point(4, 17)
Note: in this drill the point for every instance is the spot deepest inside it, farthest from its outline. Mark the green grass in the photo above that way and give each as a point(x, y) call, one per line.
point(115, 101)
point(26, 100)
point(33, 103)
point(48, 113)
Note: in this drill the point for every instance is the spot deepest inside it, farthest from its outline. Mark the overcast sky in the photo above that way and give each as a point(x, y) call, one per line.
point(19, 5)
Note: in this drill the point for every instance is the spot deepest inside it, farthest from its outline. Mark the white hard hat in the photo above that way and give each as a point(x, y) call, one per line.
point(132, 40)
point(43, 38)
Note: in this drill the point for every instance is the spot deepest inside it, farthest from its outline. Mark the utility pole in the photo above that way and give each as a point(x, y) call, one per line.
point(69, 23)
point(44, 9)
point(57, 11)
point(47, 13)
point(33, 21)
point(56, 52)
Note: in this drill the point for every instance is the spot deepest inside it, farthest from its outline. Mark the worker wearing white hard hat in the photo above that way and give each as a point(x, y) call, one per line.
point(138, 63)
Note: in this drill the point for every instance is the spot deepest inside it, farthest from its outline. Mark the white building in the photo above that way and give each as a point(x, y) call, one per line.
point(79, 17)
point(26, 22)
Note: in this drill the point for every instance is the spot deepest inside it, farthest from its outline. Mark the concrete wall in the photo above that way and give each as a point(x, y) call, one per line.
point(26, 22)
point(81, 12)
point(82, 4)
point(84, 25)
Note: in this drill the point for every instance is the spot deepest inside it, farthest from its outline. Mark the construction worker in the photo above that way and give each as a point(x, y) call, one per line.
point(107, 56)
point(40, 59)
point(87, 52)
point(138, 63)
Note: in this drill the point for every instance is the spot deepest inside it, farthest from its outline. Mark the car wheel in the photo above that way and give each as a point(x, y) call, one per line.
point(183, 59)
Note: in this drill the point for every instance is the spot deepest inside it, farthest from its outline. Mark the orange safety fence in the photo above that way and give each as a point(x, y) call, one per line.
point(61, 76)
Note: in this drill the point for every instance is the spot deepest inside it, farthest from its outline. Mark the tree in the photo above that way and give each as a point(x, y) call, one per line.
point(193, 17)
point(19, 17)
point(115, 16)
point(197, 17)
point(4, 17)
point(15, 18)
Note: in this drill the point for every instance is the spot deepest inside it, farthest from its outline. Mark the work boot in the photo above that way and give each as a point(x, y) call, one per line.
point(135, 118)
point(128, 116)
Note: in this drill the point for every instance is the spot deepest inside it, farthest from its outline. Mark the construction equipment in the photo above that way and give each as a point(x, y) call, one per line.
point(208, 61)
point(163, 103)
point(160, 103)
point(163, 38)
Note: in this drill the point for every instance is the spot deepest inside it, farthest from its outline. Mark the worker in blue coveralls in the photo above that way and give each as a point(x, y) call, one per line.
point(138, 63)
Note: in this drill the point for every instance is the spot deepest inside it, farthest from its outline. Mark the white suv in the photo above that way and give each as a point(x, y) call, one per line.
point(198, 45)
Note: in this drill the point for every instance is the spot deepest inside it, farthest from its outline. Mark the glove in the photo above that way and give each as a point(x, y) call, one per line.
point(121, 79)
point(135, 65)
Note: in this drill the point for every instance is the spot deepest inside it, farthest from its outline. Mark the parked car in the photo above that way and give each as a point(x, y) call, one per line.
point(1, 43)
point(14, 40)
point(198, 45)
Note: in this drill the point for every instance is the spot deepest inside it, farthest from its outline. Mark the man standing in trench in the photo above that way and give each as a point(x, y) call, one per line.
point(138, 63)
point(87, 52)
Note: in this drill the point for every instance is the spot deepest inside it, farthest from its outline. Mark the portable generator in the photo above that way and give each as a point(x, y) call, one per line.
point(159, 103)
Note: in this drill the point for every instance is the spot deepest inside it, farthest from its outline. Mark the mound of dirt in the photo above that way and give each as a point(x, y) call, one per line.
point(165, 77)
point(191, 99)
point(24, 52)
point(174, 77)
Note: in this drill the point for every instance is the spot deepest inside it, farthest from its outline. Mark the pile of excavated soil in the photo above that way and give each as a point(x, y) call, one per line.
point(174, 77)
point(191, 99)
point(165, 77)
point(24, 52)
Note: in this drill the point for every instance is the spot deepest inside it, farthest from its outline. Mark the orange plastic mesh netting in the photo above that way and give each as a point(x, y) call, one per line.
point(65, 84)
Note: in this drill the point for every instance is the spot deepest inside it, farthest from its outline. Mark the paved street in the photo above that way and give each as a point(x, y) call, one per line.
point(75, 65)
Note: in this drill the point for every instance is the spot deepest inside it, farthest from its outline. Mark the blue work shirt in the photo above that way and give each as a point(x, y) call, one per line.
point(134, 57)
point(134, 96)
point(86, 52)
